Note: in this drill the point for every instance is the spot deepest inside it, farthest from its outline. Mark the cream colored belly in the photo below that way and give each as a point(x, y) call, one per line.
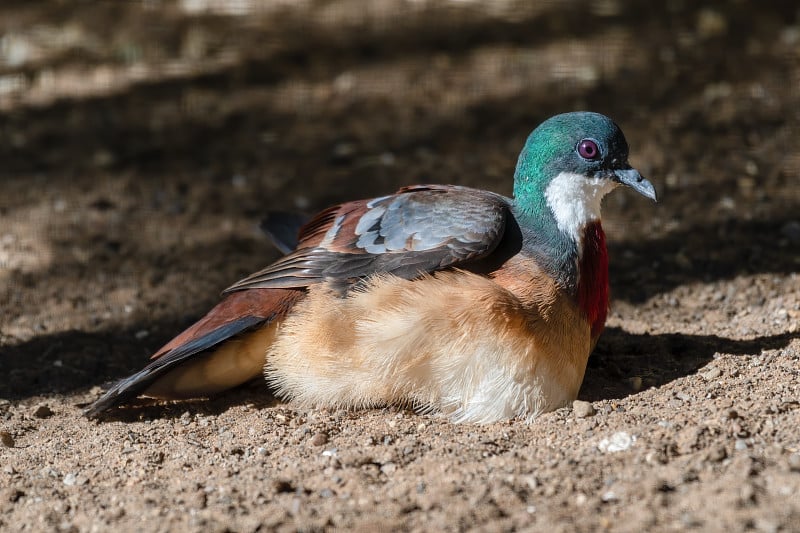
point(457, 343)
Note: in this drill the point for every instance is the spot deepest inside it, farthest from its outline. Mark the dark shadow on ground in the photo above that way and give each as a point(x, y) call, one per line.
point(624, 363)
point(703, 253)
point(254, 394)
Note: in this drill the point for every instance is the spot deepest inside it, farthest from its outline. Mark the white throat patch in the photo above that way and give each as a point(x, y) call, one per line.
point(575, 200)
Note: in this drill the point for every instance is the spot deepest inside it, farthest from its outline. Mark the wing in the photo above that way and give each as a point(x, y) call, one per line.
point(418, 230)
point(234, 315)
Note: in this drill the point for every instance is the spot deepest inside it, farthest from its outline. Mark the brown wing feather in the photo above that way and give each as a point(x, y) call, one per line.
point(266, 304)
point(236, 314)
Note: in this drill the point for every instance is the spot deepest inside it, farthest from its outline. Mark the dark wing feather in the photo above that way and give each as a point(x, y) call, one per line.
point(130, 387)
point(283, 229)
point(417, 230)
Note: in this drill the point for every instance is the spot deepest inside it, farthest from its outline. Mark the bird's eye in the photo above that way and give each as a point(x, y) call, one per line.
point(588, 149)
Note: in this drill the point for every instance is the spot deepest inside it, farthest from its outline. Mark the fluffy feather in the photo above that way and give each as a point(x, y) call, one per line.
point(454, 342)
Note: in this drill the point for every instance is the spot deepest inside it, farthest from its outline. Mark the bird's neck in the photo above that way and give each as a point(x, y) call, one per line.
point(562, 231)
point(592, 287)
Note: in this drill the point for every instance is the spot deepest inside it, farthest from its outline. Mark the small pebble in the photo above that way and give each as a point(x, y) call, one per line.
point(583, 409)
point(319, 439)
point(747, 492)
point(682, 396)
point(741, 444)
point(43, 411)
point(618, 442)
point(282, 486)
point(6, 439)
point(794, 462)
point(12, 495)
point(388, 468)
point(717, 454)
point(70, 479)
point(712, 374)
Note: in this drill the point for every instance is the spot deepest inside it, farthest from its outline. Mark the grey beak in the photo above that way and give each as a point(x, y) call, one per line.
point(634, 180)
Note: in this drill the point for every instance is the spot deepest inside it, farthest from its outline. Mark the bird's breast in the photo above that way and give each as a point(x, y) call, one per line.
point(593, 289)
point(477, 348)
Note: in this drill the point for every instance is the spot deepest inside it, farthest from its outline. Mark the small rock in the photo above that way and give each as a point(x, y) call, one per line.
point(717, 454)
point(747, 493)
point(582, 409)
point(70, 479)
point(766, 525)
point(43, 411)
point(794, 462)
point(12, 495)
point(388, 468)
point(6, 439)
point(712, 374)
point(682, 396)
point(319, 439)
point(618, 442)
point(609, 496)
point(282, 486)
point(662, 485)
point(636, 383)
point(741, 444)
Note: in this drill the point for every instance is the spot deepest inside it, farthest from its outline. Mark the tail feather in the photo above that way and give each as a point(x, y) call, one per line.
point(282, 228)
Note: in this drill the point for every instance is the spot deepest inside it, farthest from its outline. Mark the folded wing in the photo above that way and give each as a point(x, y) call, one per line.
point(418, 230)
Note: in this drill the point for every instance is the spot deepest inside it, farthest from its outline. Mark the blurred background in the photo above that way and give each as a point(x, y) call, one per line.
point(142, 141)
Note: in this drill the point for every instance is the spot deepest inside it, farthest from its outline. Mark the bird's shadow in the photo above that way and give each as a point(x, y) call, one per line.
point(624, 363)
point(255, 394)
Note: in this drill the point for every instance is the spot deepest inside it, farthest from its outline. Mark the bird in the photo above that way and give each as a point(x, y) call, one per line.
point(442, 298)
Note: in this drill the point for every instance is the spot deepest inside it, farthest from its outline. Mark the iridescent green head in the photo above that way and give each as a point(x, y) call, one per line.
point(569, 163)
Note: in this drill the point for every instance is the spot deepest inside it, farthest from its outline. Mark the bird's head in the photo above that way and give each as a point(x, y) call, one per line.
point(569, 163)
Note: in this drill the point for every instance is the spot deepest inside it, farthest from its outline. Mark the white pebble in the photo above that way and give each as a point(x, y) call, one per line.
point(618, 442)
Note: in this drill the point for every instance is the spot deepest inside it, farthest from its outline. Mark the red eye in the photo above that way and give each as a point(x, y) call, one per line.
point(588, 149)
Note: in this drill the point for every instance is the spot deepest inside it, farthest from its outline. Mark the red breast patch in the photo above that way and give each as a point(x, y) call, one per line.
point(593, 289)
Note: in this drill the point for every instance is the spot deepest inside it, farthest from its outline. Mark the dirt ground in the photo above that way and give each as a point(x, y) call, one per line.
point(141, 142)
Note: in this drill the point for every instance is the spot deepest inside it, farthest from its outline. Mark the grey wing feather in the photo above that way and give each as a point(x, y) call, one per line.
point(418, 230)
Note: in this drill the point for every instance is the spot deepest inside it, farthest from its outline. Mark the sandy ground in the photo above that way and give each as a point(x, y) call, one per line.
point(141, 142)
